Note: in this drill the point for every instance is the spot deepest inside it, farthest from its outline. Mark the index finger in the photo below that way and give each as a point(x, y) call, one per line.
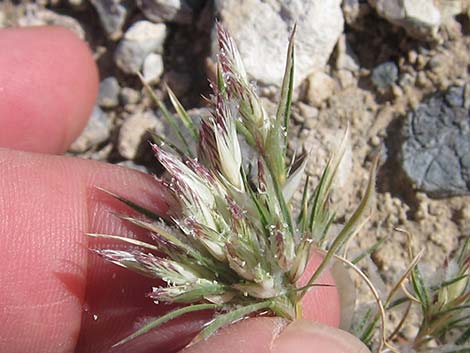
point(48, 85)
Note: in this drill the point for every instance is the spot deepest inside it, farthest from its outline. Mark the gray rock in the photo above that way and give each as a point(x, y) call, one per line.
point(262, 28)
point(166, 10)
point(96, 131)
point(108, 95)
point(153, 68)
point(420, 18)
point(38, 16)
point(436, 144)
point(384, 75)
point(346, 59)
point(133, 132)
point(113, 14)
point(141, 39)
point(129, 95)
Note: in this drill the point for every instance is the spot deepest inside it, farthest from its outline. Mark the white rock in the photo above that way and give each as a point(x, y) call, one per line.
point(153, 68)
point(451, 8)
point(420, 18)
point(141, 39)
point(133, 131)
point(262, 28)
point(166, 10)
point(320, 88)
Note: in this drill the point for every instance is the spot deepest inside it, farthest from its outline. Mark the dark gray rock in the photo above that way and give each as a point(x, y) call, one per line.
point(435, 151)
point(384, 75)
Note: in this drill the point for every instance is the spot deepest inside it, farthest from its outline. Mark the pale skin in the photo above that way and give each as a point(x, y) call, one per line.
point(55, 295)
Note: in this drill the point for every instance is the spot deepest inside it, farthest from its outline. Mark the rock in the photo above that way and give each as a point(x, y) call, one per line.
point(355, 13)
point(166, 10)
point(129, 96)
point(346, 59)
point(38, 16)
point(436, 143)
point(153, 68)
point(307, 112)
point(76, 3)
point(113, 14)
point(264, 39)
point(96, 131)
point(384, 75)
point(133, 133)
point(346, 78)
point(320, 88)
point(406, 80)
point(108, 95)
point(420, 18)
point(449, 9)
point(141, 39)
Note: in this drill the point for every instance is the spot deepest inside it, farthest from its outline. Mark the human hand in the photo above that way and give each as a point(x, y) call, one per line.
point(55, 296)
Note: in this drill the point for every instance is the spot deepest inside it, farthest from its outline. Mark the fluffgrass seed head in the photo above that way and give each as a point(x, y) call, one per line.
point(234, 244)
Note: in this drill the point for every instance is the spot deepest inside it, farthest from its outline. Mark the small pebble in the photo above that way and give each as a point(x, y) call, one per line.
point(320, 88)
point(108, 93)
point(141, 39)
point(454, 96)
point(112, 14)
point(177, 11)
point(153, 68)
point(133, 131)
point(96, 132)
point(129, 96)
point(384, 75)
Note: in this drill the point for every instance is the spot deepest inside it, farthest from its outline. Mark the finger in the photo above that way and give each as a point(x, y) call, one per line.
point(274, 335)
point(48, 85)
point(47, 204)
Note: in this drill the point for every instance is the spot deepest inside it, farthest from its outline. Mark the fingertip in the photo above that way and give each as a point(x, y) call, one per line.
point(255, 335)
point(49, 83)
point(302, 335)
point(275, 335)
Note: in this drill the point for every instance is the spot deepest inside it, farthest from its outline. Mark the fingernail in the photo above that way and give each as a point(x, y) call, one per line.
point(305, 336)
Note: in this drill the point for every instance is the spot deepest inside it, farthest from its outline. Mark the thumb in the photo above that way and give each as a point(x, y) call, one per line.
point(274, 335)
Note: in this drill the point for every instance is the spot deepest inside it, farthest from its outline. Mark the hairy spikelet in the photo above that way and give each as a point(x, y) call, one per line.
point(235, 244)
